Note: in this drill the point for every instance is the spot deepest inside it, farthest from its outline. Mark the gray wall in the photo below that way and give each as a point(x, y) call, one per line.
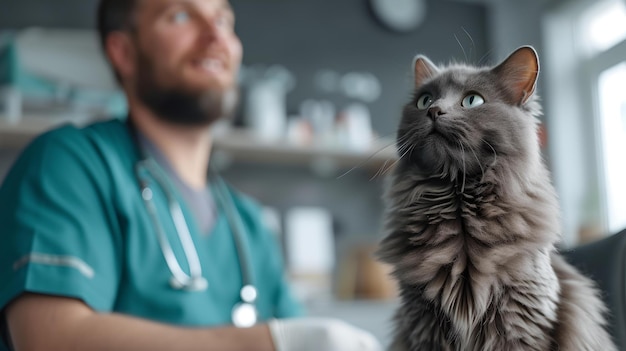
point(16, 14)
point(308, 35)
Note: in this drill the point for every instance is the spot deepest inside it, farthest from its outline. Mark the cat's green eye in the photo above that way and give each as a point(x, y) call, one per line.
point(424, 101)
point(472, 100)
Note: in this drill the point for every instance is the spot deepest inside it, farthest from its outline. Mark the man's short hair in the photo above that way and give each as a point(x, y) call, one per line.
point(114, 15)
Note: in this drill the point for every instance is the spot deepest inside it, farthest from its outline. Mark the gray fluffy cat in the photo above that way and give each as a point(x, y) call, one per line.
point(472, 220)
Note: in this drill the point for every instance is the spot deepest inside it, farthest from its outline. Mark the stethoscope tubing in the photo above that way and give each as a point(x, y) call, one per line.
point(237, 229)
point(194, 281)
point(180, 278)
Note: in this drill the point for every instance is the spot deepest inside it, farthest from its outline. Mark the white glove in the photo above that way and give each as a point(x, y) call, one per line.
point(320, 334)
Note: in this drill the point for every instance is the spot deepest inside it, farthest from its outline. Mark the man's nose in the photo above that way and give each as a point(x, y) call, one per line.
point(434, 112)
point(210, 30)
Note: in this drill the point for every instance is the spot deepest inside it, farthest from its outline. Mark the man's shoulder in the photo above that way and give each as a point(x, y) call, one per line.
point(71, 147)
point(72, 134)
point(79, 141)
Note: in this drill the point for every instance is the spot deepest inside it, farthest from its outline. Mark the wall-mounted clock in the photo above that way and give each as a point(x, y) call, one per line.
point(398, 15)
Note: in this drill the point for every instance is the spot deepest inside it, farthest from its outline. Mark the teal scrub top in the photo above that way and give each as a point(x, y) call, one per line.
point(73, 223)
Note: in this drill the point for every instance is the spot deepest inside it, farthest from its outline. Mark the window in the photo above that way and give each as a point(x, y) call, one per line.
point(603, 25)
point(585, 65)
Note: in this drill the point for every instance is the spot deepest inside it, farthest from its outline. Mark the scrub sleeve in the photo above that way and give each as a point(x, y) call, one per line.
point(57, 227)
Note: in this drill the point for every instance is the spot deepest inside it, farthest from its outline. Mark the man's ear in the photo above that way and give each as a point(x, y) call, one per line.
point(121, 52)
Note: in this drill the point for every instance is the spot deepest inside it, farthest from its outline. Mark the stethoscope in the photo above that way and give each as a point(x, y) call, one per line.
point(244, 314)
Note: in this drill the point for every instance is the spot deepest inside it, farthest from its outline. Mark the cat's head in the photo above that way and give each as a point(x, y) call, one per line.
point(463, 119)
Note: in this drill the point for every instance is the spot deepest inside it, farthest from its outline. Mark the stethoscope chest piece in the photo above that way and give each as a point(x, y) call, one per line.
point(245, 314)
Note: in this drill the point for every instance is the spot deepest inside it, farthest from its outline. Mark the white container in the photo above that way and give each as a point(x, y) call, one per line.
point(358, 127)
point(266, 111)
point(10, 104)
point(310, 248)
point(266, 107)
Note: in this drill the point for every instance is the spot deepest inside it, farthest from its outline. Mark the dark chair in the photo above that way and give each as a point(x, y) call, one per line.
point(605, 262)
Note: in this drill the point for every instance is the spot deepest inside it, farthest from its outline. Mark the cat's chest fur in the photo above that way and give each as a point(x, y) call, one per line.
point(466, 257)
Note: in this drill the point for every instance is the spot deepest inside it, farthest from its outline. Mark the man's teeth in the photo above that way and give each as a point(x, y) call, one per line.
point(212, 64)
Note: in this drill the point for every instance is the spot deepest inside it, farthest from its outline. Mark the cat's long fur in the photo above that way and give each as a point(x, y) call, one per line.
point(472, 222)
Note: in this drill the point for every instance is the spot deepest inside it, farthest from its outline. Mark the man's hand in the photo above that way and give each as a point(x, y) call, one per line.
point(320, 334)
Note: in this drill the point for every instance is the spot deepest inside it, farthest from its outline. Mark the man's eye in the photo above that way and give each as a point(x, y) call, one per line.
point(180, 17)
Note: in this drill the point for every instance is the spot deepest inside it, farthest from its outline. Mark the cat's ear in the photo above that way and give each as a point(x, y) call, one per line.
point(423, 69)
point(519, 73)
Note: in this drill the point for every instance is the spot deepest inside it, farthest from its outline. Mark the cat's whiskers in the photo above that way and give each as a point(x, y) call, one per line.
point(470, 38)
point(482, 170)
point(405, 140)
point(464, 169)
point(462, 48)
point(495, 154)
point(484, 57)
point(410, 149)
point(378, 172)
point(360, 164)
point(381, 137)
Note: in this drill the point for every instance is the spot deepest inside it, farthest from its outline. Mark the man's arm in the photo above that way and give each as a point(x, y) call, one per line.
point(41, 322)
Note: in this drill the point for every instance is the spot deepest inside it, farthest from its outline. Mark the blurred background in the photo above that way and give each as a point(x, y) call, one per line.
point(323, 84)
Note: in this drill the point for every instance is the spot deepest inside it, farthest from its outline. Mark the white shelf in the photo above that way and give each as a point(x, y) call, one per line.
point(236, 145)
point(242, 145)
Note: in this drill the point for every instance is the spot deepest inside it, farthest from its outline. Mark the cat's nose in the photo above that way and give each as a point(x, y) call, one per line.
point(434, 112)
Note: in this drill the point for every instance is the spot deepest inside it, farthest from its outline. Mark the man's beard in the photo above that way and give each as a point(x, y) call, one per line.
point(180, 107)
